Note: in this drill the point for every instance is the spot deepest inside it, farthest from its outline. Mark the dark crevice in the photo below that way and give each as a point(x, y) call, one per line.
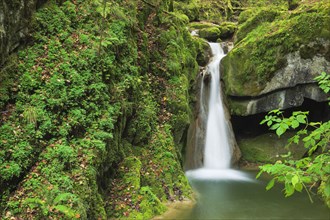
point(249, 126)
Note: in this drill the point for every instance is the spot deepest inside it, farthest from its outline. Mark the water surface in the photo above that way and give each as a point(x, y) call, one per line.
point(238, 200)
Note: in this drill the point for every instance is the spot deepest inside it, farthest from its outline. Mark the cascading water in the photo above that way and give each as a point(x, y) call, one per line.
point(217, 150)
point(217, 153)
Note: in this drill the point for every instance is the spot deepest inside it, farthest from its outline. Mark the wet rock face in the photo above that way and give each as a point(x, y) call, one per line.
point(15, 16)
point(197, 129)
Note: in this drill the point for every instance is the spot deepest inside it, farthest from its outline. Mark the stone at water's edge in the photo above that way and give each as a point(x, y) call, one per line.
point(268, 148)
point(14, 20)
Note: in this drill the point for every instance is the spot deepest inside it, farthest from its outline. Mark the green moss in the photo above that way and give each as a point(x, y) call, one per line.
point(212, 31)
point(262, 51)
point(210, 34)
point(149, 207)
point(201, 25)
point(203, 51)
point(93, 103)
point(190, 9)
point(251, 19)
point(132, 166)
point(268, 148)
point(237, 107)
point(140, 188)
point(227, 29)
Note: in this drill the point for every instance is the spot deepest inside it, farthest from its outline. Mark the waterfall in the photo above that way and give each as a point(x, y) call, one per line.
point(217, 152)
point(217, 149)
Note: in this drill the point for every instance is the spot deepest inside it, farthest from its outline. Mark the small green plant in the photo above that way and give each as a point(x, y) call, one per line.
point(30, 114)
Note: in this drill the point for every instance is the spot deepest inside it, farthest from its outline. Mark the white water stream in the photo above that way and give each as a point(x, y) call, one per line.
point(217, 153)
point(217, 150)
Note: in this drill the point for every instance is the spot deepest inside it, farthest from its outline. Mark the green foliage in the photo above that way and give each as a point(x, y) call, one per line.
point(89, 85)
point(8, 83)
point(65, 111)
point(276, 121)
point(304, 173)
point(323, 81)
point(211, 33)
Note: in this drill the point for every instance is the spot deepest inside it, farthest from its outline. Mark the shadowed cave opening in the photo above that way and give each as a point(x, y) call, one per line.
point(249, 126)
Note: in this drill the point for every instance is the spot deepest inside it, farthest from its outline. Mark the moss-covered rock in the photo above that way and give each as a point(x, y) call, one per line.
point(149, 207)
point(209, 30)
point(252, 18)
point(64, 153)
point(203, 51)
point(189, 8)
point(264, 50)
point(143, 182)
point(201, 25)
point(268, 148)
point(210, 34)
point(227, 29)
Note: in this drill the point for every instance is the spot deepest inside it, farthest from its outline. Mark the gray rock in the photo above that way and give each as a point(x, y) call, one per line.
point(298, 71)
point(281, 99)
point(288, 87)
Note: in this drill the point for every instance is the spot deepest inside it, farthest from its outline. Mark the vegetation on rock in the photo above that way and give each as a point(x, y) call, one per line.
point(96, 105)
point(266, 37)
point(93, 92)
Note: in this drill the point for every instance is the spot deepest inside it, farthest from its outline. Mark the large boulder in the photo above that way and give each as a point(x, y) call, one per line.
point(274, 64)
point(214, 32)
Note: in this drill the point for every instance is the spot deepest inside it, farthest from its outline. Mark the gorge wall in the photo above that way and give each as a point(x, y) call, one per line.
point(96, 96)
point(96, 110)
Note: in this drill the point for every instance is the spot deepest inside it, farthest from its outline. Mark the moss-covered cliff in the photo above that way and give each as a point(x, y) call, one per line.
point(96, 103)
point(279, 50)
point(96, 123)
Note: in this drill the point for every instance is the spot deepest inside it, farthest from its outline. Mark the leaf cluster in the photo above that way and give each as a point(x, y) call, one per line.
point(314, 169)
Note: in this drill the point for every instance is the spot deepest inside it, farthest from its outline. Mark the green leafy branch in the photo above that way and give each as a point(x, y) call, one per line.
point(314, 169)
point(276, 121)
point(324, 81)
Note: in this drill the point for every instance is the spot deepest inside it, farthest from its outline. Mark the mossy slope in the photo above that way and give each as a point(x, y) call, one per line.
point(94, 89)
